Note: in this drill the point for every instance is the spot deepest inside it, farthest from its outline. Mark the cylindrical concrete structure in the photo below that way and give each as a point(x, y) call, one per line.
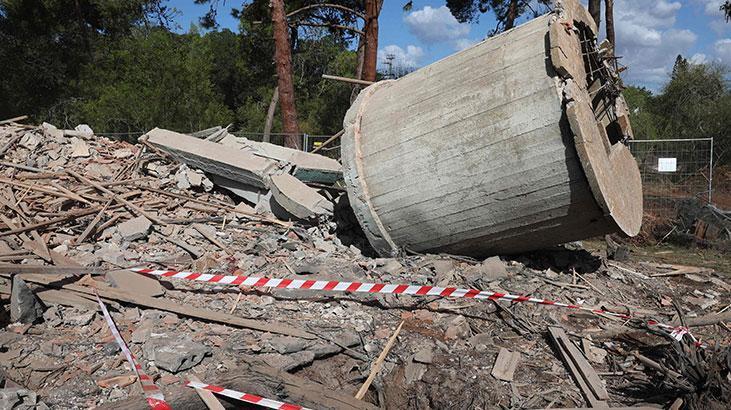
point(511, 145)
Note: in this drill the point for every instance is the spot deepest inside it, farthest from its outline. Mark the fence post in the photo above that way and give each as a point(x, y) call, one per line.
point(710, 174)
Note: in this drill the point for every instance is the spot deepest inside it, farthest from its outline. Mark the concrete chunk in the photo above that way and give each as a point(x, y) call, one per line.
point(298, 199)
point(25, 307)
point(307, 167)
point(237, 165)
point(175, 354)
point(136, 228)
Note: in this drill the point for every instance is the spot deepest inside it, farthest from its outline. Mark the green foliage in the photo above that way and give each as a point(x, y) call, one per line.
point(45, 43)
point(695, 103)
point(152, 78)
point(116, 66)
point(641, 116)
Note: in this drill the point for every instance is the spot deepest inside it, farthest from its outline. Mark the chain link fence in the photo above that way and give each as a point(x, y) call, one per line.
point(674, 170)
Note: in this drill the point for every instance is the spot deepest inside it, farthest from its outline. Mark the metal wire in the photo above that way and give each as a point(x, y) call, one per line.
point(674, 170)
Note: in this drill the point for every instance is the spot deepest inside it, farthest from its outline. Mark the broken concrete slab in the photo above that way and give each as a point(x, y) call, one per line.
point(307, 167)
point(136, 228)
point(175, 354)
point(79, 148)
point(505, 365)
point(135, 282)
point(25, 307)
point(250, 193)
point(210, 157)
point(299, 199)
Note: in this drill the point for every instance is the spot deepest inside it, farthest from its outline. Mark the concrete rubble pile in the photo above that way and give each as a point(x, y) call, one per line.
point(79, 212)
point(120, 205)
point(270, 177)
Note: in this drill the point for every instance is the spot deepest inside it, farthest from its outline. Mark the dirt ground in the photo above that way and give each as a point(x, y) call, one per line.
point(317, 348)
point(64, 358)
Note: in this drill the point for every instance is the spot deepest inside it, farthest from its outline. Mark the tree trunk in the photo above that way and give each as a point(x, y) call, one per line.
point(595, 9)
point(609, 16)
point(512, 14)
point(283, 61)
point(270, 115)
point(370, 59)
point(359, 61)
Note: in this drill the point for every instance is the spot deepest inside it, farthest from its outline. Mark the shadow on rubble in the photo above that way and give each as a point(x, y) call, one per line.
point(560, 259)
point(348, 229)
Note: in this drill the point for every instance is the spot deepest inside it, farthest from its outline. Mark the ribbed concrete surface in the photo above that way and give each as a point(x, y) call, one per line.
point(471, 155)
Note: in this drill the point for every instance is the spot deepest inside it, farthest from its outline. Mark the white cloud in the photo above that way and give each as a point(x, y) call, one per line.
point(463, 43)
point(723, 50)
point(711, 7)
point(698, 58)
point(648, 41)
point(718, 20)
point(436, 25)
point(408, 58)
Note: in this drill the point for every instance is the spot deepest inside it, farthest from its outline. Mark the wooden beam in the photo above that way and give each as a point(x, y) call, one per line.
point(132, 207)
point(585, 376)
point(347, 80)
point(172, 306)
point(329, 140)
point(376, 367)
point(50, 270)
point(254, 378)
point(14, 119)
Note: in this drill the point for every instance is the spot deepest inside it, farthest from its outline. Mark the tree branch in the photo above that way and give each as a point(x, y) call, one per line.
point(327, 5)
point(337, 26)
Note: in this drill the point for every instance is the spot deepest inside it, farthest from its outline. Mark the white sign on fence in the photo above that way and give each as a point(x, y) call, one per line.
point(667, 164)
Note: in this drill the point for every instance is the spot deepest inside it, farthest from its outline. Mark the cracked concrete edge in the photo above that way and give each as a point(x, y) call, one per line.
point(611, 170)
point(357, 187)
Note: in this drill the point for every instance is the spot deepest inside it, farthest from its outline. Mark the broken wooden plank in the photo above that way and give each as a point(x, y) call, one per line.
point(45, 190)
point(212, 238)
point(171, 306)
point(208, 398)
point(558, 336)
point(68, 217)
point(376, 367)
point(59, 297)
point(255, 378)
point(505, 365)
point(51, 270)
point(135, 283)
point(93, 223)
point(132, 207)
point(14, 119)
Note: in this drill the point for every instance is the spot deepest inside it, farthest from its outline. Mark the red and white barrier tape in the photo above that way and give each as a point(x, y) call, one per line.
point(675, 332)
point(154, 396)
point(246, 397)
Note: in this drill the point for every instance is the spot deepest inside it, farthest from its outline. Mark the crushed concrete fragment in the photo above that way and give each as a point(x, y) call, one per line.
point(425, 355)
point(79, 148)
point(133, 229)
point(175, 354)
point(209, 157)
point(458, 328)
point(25, 307)
point(298, 199)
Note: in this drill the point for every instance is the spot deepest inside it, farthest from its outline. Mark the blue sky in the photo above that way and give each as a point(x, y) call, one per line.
point(650, 33)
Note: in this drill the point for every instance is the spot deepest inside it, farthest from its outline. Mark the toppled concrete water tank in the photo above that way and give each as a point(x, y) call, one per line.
point(514, 144)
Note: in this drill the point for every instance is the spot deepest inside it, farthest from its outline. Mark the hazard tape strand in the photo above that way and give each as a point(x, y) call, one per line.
point(153, 394)
point(676, 332)
point(245, 397)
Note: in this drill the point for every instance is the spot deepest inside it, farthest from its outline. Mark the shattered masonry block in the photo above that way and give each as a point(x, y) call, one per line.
point(308, 167)
point(211, 157)
point(136, 228)
point(299, 199)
